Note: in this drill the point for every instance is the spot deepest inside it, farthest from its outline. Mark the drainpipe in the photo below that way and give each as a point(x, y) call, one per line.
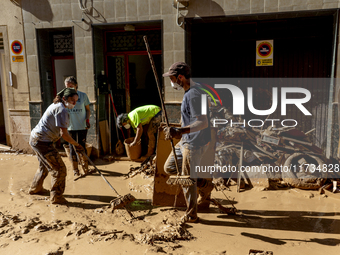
point(331, 87)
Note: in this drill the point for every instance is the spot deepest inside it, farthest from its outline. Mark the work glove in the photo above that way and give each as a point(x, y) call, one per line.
point(171, 133)
point(88, 124)
point(79, 148)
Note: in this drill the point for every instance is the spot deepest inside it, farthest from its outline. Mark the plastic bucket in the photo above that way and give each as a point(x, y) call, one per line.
point(133, 152)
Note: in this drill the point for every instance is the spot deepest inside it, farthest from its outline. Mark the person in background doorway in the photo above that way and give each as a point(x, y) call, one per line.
point(51, 127)
point(79, 123)
point(148, 114)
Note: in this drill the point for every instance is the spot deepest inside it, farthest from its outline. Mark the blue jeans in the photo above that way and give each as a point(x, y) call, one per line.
point(185, 158)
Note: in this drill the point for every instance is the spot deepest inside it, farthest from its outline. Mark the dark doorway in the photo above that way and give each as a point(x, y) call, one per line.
point(302, 47)
point(121, 54)
point(225, 47)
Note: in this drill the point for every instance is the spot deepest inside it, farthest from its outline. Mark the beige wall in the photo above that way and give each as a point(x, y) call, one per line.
point(15, 98)
point(60, 13)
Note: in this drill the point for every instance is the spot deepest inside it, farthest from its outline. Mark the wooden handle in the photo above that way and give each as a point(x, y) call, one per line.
point(161, 98)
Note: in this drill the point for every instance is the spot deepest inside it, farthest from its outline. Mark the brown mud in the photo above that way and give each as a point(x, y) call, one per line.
point(287, 221)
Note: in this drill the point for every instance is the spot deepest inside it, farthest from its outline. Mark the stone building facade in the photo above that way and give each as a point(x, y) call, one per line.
point(96, 36)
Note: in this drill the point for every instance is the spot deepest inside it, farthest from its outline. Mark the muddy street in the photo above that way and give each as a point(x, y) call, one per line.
point(287, 221)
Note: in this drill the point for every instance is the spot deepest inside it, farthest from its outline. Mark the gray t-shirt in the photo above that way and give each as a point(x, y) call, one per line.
point(55, 117)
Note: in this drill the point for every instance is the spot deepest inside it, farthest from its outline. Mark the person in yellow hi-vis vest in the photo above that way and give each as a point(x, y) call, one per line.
point(147, 114)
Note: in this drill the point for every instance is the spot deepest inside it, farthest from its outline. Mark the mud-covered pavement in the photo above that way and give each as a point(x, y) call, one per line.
point(283, 221)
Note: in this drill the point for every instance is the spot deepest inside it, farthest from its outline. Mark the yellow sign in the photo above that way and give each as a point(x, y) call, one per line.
point(265, 53)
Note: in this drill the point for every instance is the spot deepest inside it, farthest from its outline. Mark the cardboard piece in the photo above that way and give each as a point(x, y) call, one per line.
point(164, 194)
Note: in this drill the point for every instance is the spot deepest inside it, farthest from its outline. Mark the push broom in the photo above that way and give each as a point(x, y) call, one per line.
point(120, 201)
point(183, 180)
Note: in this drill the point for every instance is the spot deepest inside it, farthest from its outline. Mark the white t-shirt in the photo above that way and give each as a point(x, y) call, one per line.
point(78, 113)
point(48, 129)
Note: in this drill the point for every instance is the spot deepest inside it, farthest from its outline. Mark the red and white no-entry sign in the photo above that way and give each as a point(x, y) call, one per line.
point(264, 53)
point(17, 51)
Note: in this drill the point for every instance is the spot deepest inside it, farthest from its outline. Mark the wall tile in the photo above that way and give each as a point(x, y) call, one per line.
point(166, 7)
point(168, 42)
point(285, 3)
point(56, 12)
point(81, 78)
point(179, 41)
point(31, 47)
point(32, 63)
point(66, 12)
point(168, 23)
point(131, 8)
point(33, 79)
point(179, 56)
point(121, 19)
point(271, 3)
point(315, 6)
point(300, 7)
point(330, 5)
point(35, 93)
point(245, 11)
point(29, 31)
point(89, 61)
point(155, 17)
point(79, 49)
point(168, 60)
point(88, 44)
point(256, 4)
point(141, 18)
point(243, 4)
point(271, 9)
point(257, 10)
point(299, 2)
point(143, 7)
point(230, 5)
point(315, 1)
point(99, 7)
point(155, 7)
point(120, 9)
point(285, 8)
point(109, 10)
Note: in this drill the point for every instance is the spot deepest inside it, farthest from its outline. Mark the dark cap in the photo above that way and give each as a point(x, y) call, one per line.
point(178, 68)
point(67, 92)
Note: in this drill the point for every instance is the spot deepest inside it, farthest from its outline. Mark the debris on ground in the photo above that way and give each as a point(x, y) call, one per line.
point(256, 252)
point(147, 168)
point(169, 229)
point(296, 161)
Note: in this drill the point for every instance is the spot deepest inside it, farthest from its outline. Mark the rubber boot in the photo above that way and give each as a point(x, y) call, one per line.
point(150, 151)
point(75, 169)
point(204, 191)
point(85, 166)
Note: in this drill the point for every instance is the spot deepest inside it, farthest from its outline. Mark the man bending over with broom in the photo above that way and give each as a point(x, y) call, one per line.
point(195, 136)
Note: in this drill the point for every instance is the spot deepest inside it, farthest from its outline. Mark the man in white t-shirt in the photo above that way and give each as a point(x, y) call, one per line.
point(79, 123)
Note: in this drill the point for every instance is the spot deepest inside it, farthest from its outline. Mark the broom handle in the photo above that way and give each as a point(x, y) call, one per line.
point(98, 171)
point(114, 108)
point(161, 98)
point(128, 211)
